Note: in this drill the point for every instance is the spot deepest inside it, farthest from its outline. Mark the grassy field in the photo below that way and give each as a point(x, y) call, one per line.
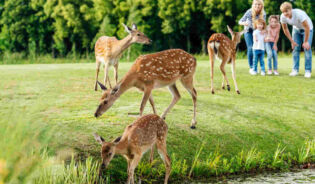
point(271, 110)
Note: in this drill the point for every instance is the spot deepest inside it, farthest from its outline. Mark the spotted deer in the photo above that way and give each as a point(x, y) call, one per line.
point(221, 47)
point(108, 50)
point(138, 138)
point(154, 71)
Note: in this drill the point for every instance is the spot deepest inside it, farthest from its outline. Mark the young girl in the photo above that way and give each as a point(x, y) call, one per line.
point(259, 46)
point(273, 30)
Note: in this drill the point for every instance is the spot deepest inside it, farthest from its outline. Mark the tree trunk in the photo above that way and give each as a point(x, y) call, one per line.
point(188, 43)
point(128, 55)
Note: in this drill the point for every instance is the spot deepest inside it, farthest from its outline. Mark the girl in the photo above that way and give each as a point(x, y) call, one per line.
point(271, 40)
point(259, 46)
point(251, 15)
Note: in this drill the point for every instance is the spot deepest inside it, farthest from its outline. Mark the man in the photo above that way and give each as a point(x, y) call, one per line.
point(302, 34)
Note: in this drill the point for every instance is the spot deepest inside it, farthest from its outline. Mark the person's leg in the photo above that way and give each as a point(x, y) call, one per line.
point(275, 59)
point(297, 37)
point(249, 44)
point(308, 54)
point(255, 60)
point(262, 62)
point(269, 54)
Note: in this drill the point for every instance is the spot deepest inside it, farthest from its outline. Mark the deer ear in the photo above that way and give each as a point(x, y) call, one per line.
point(134, 26)
point(102, 86)
point(242, 32)
point(98, 138)
point(230, 30)
point(127, 29)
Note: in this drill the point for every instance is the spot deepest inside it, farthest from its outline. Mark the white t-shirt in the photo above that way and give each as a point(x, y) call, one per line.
point(259, 40)
point(298, 17)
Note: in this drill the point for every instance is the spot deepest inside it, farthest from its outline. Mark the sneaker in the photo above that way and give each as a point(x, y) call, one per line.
point(263, 73)
point(269, 72)
point(307, 74)
point(253, 72)
point(294, 73)
point(276, 72)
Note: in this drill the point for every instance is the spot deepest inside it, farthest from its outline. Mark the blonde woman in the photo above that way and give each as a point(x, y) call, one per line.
point(256, 12)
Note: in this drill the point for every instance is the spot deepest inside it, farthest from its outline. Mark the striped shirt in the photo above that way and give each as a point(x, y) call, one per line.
point(247, 17)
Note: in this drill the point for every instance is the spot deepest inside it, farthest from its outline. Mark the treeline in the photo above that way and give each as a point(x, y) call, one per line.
point(61, 27)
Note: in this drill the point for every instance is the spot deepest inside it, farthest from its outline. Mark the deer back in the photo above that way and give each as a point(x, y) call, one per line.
point(166, 65)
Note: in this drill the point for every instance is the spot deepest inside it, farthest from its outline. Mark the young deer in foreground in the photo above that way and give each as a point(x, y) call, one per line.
point(138, 138)
point(108, 50)
point(154, 71)
point(223, 48)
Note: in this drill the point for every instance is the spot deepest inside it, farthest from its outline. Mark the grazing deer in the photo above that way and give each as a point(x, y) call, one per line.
point(153, 71)
point(223, 48)
point(108, 50)
point(139, 137)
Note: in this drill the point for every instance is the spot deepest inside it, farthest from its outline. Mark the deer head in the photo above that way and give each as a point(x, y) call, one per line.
point(236, 36)
point(107, 151)
point(107, 100)
point(137, 36)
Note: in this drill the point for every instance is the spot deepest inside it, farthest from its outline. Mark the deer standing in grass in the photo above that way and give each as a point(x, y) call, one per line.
point(139, 137)
point(221, 47)
point(108, 50)
point(154, 71)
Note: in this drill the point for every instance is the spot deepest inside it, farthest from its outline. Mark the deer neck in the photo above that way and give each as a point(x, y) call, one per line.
point(124, 84)
point(122, 147)
point(122, 45)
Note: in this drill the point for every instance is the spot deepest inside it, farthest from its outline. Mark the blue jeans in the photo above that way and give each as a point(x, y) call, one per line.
point(259, 55)
point(298, 36)
point(271, 54)
point(249, 44)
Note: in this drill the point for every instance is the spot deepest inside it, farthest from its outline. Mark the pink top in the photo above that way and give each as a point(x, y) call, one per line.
point(272, 33)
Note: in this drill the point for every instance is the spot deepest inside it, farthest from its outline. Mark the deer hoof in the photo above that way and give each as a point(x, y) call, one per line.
point(228, 88)
point(163, 118)
point(238, 92)
point(223, 87)
point(212, 92)
point(193, 127)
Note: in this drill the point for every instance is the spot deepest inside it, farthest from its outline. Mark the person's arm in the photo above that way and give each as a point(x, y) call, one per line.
point(243, 20)
point(306, 45)
point(275, 47)
point(288, 35)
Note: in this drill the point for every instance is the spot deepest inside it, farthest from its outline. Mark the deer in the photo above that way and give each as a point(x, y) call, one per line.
point(143, 134)
point(108, 50)
point(221, 47)
point(153, 71)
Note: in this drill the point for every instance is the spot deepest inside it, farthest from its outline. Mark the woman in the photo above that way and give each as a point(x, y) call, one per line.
point(256, 12)
point(302, 35)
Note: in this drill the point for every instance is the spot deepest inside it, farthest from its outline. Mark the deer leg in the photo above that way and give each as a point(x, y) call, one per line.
point(146, 96)
point(234, 77)
point(161, 146)
point(224, 74)
point(98, 64)
point(176, 96)
point(116, 72)
point(152, 104)
point(211, 58)
point(106, 78)
point(188, 84)
point(133, 164)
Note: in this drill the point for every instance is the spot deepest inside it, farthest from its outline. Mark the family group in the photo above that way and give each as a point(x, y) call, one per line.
point(260, 37)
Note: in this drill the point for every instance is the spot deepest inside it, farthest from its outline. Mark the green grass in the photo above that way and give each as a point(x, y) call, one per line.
point(266, 126)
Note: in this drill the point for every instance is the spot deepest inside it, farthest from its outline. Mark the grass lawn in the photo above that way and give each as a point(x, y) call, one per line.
point(269, 111)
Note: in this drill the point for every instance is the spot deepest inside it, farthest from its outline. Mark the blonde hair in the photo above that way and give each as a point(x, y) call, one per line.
point(285, 6)
point(261, 14)
point(260, 21)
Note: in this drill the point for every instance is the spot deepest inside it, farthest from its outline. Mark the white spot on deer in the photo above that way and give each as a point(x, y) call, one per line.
point(148, 64)
point(141, 65)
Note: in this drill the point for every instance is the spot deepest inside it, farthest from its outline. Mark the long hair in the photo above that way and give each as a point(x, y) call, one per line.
point(260, 21)
point(261, 14)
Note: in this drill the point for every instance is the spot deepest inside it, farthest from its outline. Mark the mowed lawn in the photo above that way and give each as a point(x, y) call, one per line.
point(269, 111)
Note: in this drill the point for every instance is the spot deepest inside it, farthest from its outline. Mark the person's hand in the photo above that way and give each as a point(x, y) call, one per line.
point(275, 47)
point(294, 44)
point(245, 23)
point(306, 46)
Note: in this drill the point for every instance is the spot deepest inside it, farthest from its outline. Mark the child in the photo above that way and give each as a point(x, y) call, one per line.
point(273, 30)
point(259, 46)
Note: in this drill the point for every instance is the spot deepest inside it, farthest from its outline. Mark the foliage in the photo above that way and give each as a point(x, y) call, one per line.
point(61, 27)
